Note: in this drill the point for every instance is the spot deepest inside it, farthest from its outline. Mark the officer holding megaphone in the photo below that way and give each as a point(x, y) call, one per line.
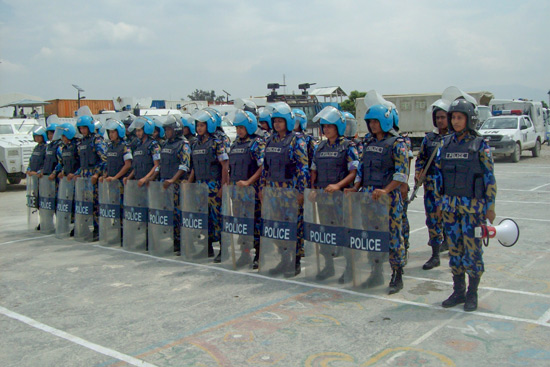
point(465, 193)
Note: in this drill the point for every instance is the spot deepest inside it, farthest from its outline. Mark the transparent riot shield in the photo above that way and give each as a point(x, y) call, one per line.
point(84, 210)
point(46, 204)
point(109, 213)
point(161, 219)
point(32, 202)
point(238, 226)
point(64, 208)
point(194, 222)
point(279, 232)
point(367, 242)
point(324, 235)
point(135, 217)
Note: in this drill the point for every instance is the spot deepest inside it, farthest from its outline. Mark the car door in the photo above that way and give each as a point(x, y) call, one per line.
point(529, 132)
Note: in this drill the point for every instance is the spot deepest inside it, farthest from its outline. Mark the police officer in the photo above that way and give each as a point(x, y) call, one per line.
point(146, 155)
point(383, 169)
point(189, 131)
point(246, 158)
point(210, 165)
point(159, 133)
point(131, 139)
point(174, 167)
point(334, 168)
point(300, 127)
point(286, 166)
point(429, 146)
point(36, 161)
point(52, 165)
point(119, 155)
point(465, 190)
point(92, 161)
point(219, 133)
point(351, 131)
point(264, 120)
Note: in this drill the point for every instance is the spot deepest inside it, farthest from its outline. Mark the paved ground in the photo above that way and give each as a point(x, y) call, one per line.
point(64, 303)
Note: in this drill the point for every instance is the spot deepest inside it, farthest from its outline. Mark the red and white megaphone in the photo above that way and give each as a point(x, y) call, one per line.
point(507, 232)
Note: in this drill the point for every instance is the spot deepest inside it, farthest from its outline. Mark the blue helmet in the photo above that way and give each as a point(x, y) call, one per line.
point(208, 117)
point(143, 122)
point(381, 113)
point(395, 117)
point(282, 110)
point(40, 131)
point(113, 124)
point(87, 121)
point(173, 122)
point(244, 118)
point(351, 125)
point(264, 115)
point(331, 116)
point(99, 128)
point(300, 118)
point(158, 125)
point(216, 114)
point(187, 121)
point(66, 129)
point(52, 127)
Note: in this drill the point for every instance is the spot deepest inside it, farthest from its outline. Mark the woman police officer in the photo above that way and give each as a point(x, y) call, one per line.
point(465, 193)
point(333, 168)
point(146, 155)
point(384, 167)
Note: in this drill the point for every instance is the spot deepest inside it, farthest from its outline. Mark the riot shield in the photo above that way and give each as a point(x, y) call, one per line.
point(135, 217)
point(194, 221)
point(279, 232)
point(46, 204)
point(84, 210)
point(161, 219)
point(367, 242)
point(109, 213)
point(64, 208)
point(238, 226)
point(324, 235)
point(32, 202)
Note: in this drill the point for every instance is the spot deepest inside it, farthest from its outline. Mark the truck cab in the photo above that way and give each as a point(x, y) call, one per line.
point(509, 133)
point(16, 146)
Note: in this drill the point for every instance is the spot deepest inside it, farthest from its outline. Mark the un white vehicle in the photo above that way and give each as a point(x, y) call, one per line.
point(510, 133)
point(16, 146)
point(519, 106)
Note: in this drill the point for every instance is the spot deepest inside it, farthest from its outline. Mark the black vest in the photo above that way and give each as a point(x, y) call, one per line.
point(50, 162)
point(70, 158)
point(142, 161)
point(36, 162)
point(378, 164)
point(169, 161)
point(87, 152)
point(277, 159)
point(461, 168)
point(433, 140)
point(115, 158)
point(332, 165)
point(241, 163)
point(205, 161)
point(191, 139)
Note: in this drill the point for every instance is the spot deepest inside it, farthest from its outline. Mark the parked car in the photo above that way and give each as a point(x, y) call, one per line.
point(510, 134)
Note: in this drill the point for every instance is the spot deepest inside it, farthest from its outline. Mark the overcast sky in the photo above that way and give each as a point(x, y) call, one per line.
point(167, 48)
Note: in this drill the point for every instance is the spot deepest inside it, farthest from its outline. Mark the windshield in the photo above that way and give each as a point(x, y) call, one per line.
point(5, 129)
point(24, 129)
point(484, 113)
point(505, 123)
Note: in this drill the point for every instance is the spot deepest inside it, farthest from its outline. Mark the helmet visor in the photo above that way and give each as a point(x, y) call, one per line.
point(330, 114)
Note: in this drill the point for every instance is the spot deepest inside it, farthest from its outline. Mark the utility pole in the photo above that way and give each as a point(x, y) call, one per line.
point(79, 90)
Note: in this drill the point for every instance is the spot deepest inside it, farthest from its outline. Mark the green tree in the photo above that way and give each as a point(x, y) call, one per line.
point(544, 104)
point(202, 95)
point(349, 104)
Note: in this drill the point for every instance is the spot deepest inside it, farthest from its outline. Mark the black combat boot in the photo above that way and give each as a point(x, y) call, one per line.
point(433, 262)
point(396, 283)
point(244, 259)
point(376, 276)
point(328, 270)
point(283, 264)
point(218, 259)
point(471, 295)
point(459, 289)
point(293, 269)
point(346, 275)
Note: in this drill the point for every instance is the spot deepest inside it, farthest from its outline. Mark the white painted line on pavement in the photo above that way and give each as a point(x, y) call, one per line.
point(75, 339)
point(546, 317)
point(538, 192)
point(418, 229)
point(347, 291)
point(26, 239)
point(538, 187)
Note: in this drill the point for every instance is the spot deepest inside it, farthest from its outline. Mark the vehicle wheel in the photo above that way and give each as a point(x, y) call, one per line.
point(14, 180)
point(516, 155)
point(536, 149)
point(3, 179)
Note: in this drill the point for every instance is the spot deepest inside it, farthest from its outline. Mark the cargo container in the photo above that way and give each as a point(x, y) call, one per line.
point(68, 107)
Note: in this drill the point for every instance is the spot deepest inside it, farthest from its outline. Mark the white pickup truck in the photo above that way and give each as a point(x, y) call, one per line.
point(510, 134)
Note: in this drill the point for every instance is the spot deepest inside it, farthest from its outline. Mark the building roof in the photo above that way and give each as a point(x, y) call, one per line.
point(328, 92)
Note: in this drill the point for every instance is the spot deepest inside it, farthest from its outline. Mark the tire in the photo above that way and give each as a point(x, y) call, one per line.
point(3, 179)
point(536, 149)
point(516, 155)
point(14, 180)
